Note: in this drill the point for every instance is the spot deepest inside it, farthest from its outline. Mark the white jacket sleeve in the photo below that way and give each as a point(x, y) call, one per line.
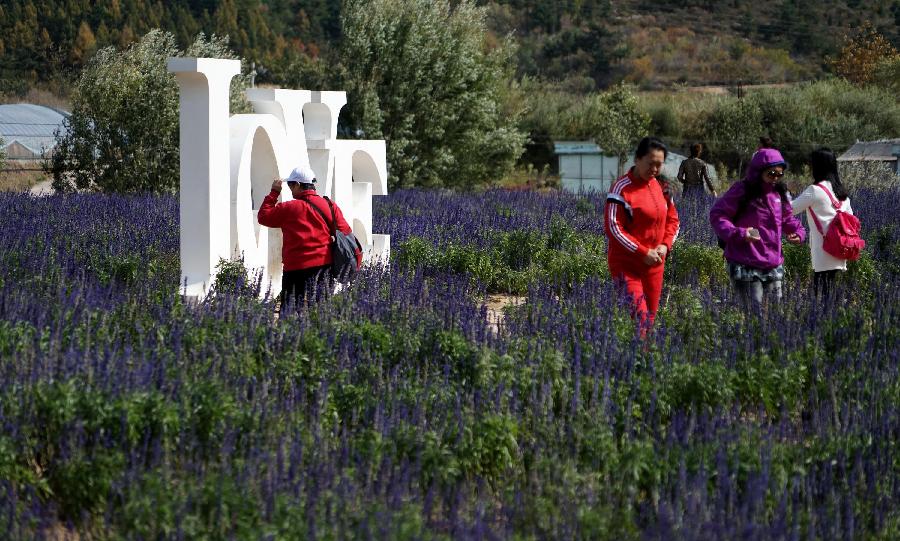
point(804, 200)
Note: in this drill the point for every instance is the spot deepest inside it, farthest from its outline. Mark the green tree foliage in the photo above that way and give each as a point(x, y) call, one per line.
point(887, 74)
point(545, 119)
point(648, 43)
point(798, 118)
point(735, 126)
point(122, 135)
point(614, 120)
point(420, 75)
point(833, 113)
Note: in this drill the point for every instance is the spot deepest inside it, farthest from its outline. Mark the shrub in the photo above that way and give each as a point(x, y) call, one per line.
point(233, 278)
point(695, 260)
point(868, 175)
point(732, 129)
point(797, 260)
point(664, 121)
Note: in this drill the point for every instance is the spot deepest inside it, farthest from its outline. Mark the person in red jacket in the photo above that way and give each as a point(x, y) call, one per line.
point(306, 246)
point(641, 224)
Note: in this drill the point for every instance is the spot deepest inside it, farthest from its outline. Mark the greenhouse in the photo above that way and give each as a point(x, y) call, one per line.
point(29, 131)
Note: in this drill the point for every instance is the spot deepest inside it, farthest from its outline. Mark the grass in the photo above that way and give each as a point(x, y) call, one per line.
point(19, 176)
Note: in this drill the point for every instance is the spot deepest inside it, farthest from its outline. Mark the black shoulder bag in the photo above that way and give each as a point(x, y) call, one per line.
point(343, 247)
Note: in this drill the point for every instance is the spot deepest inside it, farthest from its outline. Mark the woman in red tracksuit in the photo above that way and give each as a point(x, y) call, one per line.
point(641, 225)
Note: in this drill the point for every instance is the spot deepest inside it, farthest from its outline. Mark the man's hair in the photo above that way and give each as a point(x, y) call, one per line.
point(303, 185)
point(696, 149)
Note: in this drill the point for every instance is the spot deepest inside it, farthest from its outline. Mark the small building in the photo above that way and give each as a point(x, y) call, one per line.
point(29, 131)
point(584, 167)
point(885, 150)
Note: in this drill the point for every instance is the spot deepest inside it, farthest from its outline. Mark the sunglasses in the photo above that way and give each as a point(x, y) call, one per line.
point(775, 173)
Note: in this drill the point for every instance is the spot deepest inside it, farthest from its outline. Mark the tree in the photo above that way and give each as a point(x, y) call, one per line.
point(84, 46)
point(861, 55)
point(733, 128)
point(615, 121)
point(122, 135)
point(887, 74)
point(420, 75)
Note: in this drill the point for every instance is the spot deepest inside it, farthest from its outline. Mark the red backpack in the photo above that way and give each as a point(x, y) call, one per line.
point(842, 239)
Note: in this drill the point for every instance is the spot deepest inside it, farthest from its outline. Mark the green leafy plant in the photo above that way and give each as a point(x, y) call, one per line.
point(122, 135)
point(421, 76)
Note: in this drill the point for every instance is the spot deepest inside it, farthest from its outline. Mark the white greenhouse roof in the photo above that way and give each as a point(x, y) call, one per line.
point(31, 126)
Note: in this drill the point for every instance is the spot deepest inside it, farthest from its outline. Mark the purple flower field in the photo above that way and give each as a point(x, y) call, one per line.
point(393, 411)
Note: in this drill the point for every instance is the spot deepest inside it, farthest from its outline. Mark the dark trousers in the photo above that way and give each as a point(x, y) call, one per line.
point(823, 282)
point(304, 286)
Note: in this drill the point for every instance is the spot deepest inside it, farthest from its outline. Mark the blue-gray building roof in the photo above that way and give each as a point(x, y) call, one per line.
point(576, 147)
point(884, 150)
point(33, 127)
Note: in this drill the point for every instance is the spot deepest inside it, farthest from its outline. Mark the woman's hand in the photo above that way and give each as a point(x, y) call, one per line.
point(751, 234)
point(662, 250)
point(793, 238)
point(652, 258)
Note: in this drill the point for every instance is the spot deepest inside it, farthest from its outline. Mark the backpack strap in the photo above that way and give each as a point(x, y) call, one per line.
point(330, 226)
point(666, 188)
point(817, 222)
point(619, 200)
point(334, 224)
point(333, 219)
point(834, 202)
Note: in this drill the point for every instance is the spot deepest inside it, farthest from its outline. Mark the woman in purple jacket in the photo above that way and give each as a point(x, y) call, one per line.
point(750, 219)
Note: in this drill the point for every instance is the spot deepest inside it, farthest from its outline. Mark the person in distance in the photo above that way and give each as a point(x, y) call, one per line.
point(693, 174)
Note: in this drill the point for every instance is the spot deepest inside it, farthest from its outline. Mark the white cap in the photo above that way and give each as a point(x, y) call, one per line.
point(302, 174)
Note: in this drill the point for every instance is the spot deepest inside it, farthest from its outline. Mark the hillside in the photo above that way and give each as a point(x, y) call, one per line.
point(694, 42)
point(584, 43)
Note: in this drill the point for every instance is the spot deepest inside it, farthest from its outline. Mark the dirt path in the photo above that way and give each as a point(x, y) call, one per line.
point(42, 188)
point(495, 305)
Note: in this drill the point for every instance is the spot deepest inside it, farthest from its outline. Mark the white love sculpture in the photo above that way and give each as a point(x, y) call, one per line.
point(228, 164)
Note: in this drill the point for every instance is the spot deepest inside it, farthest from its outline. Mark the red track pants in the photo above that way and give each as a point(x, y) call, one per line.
point(644, 288)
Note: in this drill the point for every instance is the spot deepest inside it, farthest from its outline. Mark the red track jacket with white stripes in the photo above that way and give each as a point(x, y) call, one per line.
point(638, 217)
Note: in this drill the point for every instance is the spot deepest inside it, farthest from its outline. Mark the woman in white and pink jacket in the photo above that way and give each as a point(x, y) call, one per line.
point(816, 200)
